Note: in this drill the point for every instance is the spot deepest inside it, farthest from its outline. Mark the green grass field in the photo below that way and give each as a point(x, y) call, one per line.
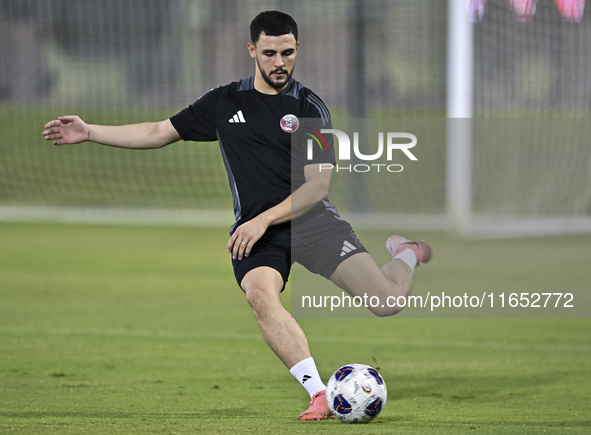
point(115, 329)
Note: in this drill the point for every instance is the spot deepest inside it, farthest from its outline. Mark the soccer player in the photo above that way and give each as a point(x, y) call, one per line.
point(253, 120)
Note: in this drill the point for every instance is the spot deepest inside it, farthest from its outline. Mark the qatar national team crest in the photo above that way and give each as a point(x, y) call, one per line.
point(290, 123)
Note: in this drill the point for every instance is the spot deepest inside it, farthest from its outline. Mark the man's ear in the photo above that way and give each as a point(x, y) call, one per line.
point(251, 50)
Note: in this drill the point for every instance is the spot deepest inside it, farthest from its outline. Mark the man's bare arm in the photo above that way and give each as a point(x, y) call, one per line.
point(314, 190)
point(72, 129)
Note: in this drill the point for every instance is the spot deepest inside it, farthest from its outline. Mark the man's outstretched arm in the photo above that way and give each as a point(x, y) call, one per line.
point(72, 129)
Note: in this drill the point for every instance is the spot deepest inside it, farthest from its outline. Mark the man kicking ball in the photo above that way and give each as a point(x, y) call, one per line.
point(253, 120)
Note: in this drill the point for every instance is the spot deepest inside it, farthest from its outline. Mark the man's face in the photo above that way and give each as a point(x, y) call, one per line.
point(275, 58)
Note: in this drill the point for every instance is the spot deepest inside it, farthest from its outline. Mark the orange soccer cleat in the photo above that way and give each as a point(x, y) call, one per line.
point(318, 409)
point(397, 244)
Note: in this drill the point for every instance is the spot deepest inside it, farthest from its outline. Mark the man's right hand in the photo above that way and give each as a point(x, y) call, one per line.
point(66, 130)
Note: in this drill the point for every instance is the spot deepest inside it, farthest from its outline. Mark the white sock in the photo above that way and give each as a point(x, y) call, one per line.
point(409, 257)
point(307, 374)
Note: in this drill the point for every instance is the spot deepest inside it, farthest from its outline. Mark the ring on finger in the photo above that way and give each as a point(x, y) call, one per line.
point(243, 243)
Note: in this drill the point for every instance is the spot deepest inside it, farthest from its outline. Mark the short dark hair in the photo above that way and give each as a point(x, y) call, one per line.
point(272, 23)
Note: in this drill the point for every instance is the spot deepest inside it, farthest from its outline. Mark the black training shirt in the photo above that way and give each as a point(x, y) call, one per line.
point(255, 143)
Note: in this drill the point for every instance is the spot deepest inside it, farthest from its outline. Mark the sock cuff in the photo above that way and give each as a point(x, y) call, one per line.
point(303, 363)
point(409, 257)
point(307, 374)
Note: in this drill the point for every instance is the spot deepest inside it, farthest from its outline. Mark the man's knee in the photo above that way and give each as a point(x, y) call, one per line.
point(257, 294)
point(262, 289)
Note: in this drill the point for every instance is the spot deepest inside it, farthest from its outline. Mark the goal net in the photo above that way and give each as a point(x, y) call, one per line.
point(119, 62)
point(524, 167)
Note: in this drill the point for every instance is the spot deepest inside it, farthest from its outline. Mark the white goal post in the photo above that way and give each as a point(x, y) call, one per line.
point(459, 113)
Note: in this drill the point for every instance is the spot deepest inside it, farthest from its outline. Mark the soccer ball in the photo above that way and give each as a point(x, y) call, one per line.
point(356, 393)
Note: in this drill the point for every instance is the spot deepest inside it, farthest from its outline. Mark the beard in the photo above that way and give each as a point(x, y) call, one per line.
point(274, 83)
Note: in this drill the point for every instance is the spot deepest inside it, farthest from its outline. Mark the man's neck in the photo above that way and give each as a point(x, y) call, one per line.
point(263, 87)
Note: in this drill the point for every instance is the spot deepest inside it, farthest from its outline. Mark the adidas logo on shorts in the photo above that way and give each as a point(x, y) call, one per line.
point(347, 247)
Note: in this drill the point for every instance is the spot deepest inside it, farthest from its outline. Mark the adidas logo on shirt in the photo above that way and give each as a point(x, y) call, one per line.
point(347, 247)
point(238, 118)
point(305, 378)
